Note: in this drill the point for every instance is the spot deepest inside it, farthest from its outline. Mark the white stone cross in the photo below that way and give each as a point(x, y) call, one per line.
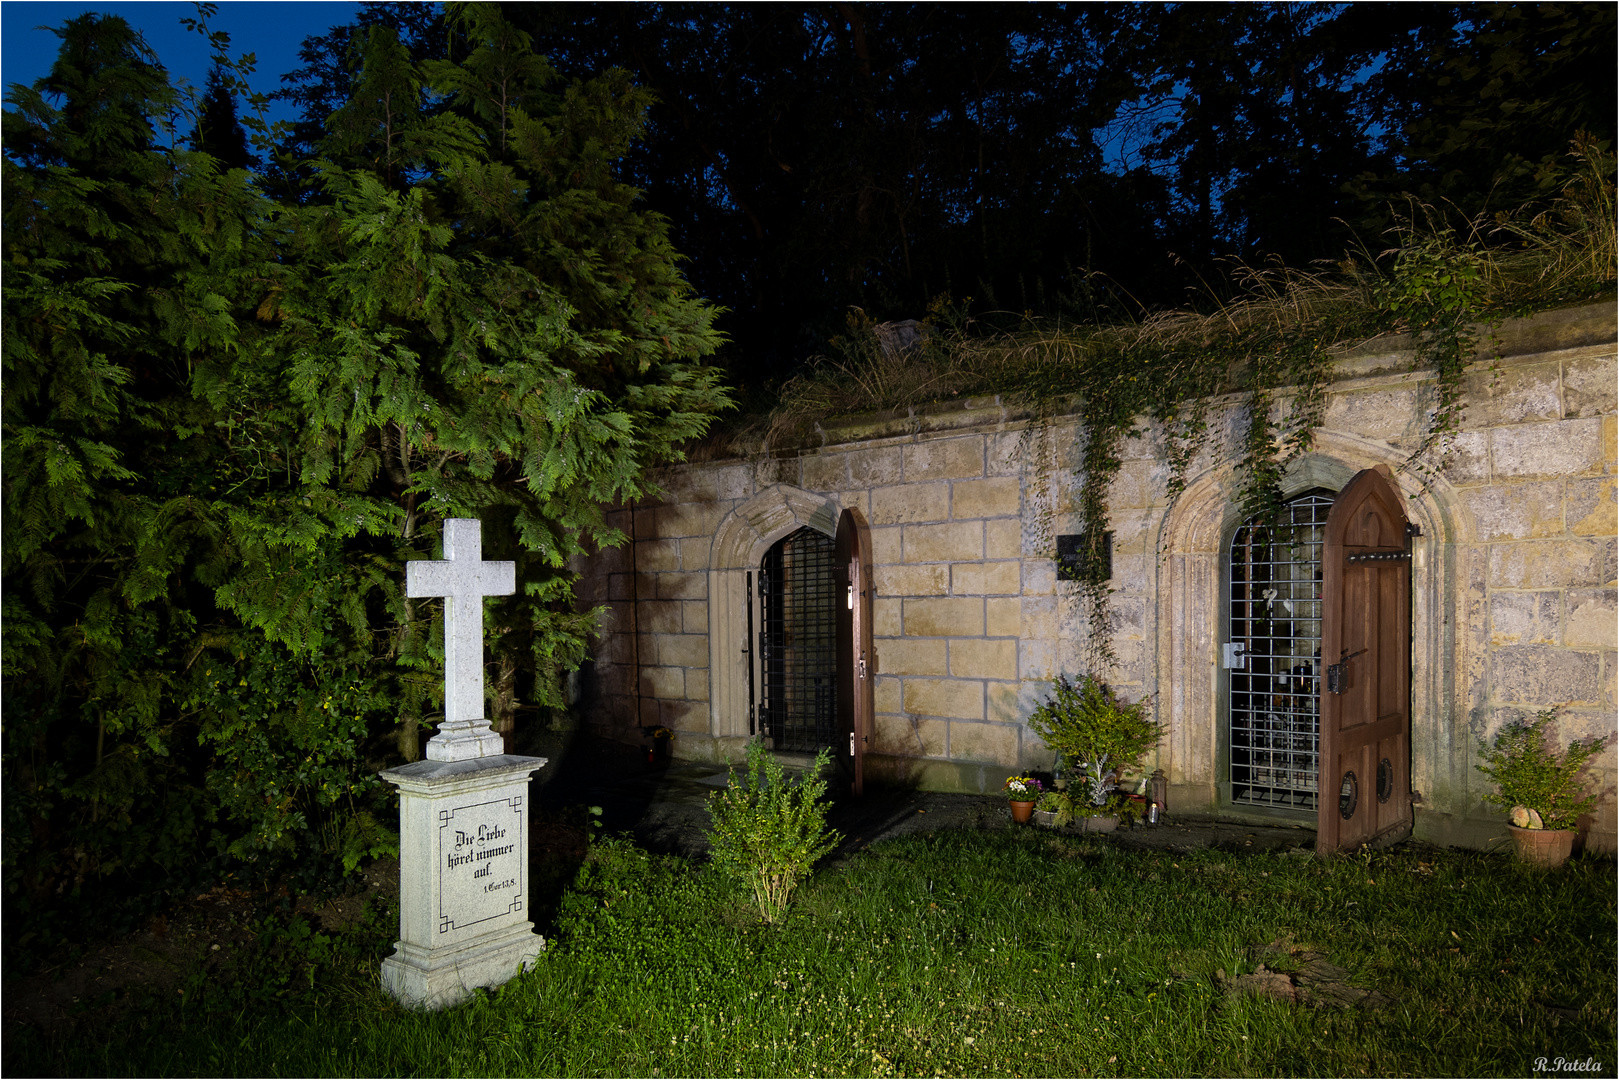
point(463, 579)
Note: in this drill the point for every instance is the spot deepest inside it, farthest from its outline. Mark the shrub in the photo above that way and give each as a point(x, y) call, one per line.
point(1532, 775)
point(1086, 723)
point(769, 832)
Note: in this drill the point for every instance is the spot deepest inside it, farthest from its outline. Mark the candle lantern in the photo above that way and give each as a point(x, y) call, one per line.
point(1159, 788)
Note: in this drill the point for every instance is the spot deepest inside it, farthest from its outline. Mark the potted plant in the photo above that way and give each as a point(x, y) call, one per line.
point(1021, 792)
point(1054, 810)
point(1089, 727)
point(1539, 786)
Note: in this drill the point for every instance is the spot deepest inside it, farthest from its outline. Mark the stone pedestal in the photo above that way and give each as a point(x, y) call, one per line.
point(463, 878)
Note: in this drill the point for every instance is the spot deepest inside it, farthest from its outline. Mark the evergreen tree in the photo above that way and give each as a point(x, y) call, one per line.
point(229, 422)
point(218, 132)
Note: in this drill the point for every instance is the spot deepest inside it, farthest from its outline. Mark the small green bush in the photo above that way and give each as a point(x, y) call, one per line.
point(769, 832)
point(1529, 773)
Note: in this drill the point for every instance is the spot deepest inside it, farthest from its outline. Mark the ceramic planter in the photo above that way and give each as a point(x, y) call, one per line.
point(1046, 818)
point(1103, 823)
point(1021, 811)
point(1549, 848)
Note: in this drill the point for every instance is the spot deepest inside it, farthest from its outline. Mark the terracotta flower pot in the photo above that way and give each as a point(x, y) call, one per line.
point(1549, 848)
point(1021, 810)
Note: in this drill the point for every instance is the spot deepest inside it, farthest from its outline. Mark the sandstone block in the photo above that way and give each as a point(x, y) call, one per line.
point(694, 616)
point(977, 658)
point(1468, 458)
point(1010, 703)
point(855, 500)
point(945, 459)
point(1130, 572)
point(886, 548)
point(943, 617)
point(1525, 618)
point(910, 736)
point(663, 682)
point(695, 553)
point(1516, 511)
point(659, 616)
point(1548, 564)
point(685, 585)
point(688, 519)
point(621, 587)
point(1591, 507)
point(885, 695)
point(1516, 395)
point(825, 472)
point(1036, 660)
point(697, 684)
point(655, 555)
point(955, 698)
point(915, 656)
point(994, 497)
point(1005, 454)
point(1592, 618)
point(1002, 618)
point(1003, 539)
point(992, 743)
point(683, 650)
point(1037, 617)
point(1039, 577)
point(885, 617)
point(1588, 386)
point(910, 502)
point(985, 579)
point(1546, 451)
point(875, 467)
point(1139, 484)
point(688, 716)
point(1542, 675)
point(928, 579)
point(1375, 414)
point(955, 540)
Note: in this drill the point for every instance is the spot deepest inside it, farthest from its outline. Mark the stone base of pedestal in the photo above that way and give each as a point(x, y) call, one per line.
point(438, 978)
point(463, 878)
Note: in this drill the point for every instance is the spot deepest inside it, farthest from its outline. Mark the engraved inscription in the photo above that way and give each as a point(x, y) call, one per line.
point(480, 863)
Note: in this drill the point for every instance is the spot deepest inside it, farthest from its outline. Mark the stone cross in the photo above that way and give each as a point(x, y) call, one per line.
point(463, 579)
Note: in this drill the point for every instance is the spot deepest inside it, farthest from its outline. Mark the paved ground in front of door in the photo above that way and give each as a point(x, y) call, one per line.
point(663, 805)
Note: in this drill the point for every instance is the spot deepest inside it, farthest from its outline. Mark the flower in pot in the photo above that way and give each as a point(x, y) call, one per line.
point(1022, 792)
point(1539, 786)
point(1086, 723)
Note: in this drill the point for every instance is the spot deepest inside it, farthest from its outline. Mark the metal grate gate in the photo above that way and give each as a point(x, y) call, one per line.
point(1275, 695)
point(798, 645)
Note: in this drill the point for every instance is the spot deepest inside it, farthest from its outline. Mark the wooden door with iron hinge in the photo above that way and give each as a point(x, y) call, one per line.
point(857, 660)
point(1365, 742)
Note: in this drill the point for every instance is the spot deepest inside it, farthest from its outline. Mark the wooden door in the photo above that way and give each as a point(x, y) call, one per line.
point(1365, 781)
point(856, 658)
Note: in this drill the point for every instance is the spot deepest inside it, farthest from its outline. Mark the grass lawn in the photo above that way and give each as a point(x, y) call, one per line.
point(987, 954)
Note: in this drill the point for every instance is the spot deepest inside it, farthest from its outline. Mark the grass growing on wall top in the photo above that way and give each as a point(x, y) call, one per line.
point(957, 954)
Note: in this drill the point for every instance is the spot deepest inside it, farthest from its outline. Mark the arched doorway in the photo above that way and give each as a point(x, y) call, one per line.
point(1328, 577)
point(1274, 654)
point(798, 660)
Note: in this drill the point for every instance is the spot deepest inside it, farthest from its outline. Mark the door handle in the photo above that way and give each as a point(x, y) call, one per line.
point(1336, 672)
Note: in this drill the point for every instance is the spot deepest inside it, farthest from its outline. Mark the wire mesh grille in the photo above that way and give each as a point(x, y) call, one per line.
point(798, 645)
point(1275, 696)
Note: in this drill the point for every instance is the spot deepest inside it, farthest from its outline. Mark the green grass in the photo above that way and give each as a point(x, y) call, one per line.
point(961, 953)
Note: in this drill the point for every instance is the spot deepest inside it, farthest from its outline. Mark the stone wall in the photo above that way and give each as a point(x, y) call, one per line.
point(1513, 576)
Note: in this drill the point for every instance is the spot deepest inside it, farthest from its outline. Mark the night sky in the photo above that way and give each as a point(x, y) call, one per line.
point(272, 31)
